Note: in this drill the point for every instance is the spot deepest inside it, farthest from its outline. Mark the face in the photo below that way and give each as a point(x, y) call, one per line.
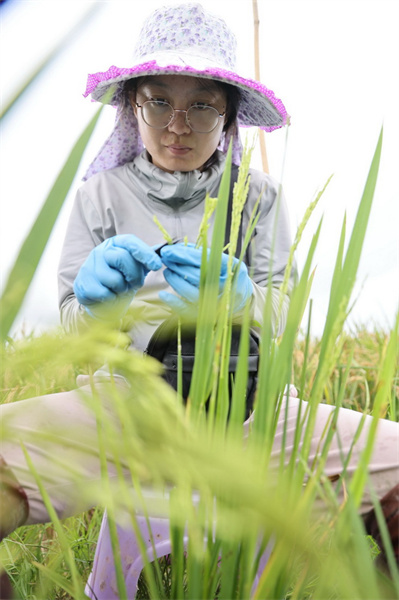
point(177, 147)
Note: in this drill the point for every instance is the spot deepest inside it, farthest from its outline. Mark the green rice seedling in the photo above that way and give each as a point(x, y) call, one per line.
point(74, 587)
point(297, 240)
point(342, 284)
point(42, 66)
point(33, 247)
point(219, 400)
point(361, 354)
point(225, 323)
point(221, 489)
point(208, 299)
point(29, 255)
point(162, 229)
point(210, 206)
point(216, 468)
point(37, 545)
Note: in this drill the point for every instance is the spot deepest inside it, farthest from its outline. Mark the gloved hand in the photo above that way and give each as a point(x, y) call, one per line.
point(183, 264)
point(112, 274)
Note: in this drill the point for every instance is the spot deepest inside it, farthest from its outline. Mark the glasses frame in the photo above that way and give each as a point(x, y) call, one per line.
point(174, 111)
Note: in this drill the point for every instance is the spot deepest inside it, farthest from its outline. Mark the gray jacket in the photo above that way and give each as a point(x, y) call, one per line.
point(125, 200)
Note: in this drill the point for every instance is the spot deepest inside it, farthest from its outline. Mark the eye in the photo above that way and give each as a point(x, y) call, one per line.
point(201, 105)
point(159, 101)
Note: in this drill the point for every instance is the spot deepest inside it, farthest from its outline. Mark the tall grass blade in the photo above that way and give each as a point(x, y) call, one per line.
point(223, 493)
point(67, 551)
point(53, 54)
point(208, 299)
point(33, 247)
point(381, 404)
point(341, 289)
point(345, 276)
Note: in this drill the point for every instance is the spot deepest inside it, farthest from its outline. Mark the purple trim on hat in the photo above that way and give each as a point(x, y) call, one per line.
point(115, 74)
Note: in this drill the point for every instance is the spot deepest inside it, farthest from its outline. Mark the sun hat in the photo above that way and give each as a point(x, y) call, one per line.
point(186, 40)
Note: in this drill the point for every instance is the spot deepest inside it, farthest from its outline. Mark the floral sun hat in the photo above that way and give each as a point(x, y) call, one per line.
point(184, 40)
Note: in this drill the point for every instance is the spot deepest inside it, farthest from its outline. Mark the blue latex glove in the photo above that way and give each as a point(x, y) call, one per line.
point(183, 264)
point(112, 274)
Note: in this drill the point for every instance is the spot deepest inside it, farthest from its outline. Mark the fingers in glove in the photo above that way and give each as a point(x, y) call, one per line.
point(185, 260)
point(132, 270)
point(89, 289)
point(183, 287)
point(190, 274)
point(139, 250)
point(182, 254)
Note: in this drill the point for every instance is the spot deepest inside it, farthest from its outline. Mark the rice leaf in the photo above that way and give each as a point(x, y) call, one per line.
point(29, 256)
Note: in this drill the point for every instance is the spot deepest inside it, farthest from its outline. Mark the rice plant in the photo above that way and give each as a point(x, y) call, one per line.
point(221, 488)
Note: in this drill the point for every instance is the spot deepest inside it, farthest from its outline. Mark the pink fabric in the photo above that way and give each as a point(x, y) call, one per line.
point(249, 113)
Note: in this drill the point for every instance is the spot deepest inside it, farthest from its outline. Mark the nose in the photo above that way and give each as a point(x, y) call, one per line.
point(178, 124)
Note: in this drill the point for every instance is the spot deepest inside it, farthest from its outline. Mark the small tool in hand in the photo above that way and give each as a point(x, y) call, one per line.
point(159, 248)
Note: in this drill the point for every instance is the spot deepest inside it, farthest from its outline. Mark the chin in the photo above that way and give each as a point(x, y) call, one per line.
point(177, 165)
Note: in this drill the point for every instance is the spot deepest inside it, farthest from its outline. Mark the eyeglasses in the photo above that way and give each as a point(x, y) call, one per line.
point(200, 118)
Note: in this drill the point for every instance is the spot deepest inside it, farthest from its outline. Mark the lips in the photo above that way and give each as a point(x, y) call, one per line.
point(178, 149)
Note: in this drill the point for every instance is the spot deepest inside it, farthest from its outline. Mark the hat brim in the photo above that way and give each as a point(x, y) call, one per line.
point(259, 107)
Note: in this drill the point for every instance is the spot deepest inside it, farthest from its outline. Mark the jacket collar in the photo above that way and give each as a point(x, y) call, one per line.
point(178, 190)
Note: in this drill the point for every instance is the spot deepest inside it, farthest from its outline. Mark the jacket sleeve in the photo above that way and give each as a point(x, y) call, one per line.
point(84, 232)
point(269, 250)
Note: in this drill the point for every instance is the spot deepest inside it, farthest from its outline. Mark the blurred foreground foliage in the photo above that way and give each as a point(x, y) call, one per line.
point(51, 361)
point(168, 446)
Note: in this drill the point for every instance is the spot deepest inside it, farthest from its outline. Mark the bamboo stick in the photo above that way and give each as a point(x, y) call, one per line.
point(262, 140)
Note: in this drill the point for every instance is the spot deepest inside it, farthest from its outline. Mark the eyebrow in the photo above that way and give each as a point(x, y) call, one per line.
point(166, 87)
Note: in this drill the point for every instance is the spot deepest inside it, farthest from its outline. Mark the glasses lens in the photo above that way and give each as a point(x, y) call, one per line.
point(157, 114)
point(202, 119)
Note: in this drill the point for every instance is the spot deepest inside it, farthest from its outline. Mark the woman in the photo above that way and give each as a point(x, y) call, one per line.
point(178, 108)
point(169, 179)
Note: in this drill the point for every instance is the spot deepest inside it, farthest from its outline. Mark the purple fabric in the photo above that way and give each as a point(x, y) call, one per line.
point(249, 111)
point(187, 29)
point(121, 146)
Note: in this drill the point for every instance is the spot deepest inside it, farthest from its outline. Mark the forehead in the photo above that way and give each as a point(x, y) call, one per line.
point(182, 83)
